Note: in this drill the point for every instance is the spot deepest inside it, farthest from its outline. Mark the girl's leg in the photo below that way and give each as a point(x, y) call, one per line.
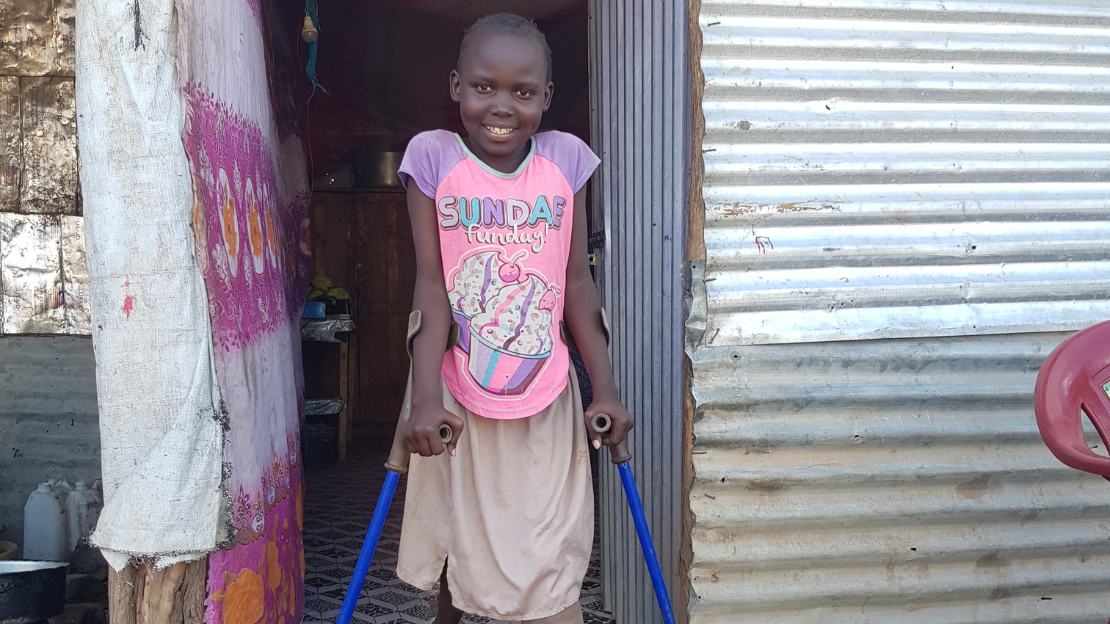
point(570, 615)
point(446, 613)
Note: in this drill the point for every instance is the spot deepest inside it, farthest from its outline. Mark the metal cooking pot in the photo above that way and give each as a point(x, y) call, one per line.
point(368, 170)
point(377, 169)
point(31, 591)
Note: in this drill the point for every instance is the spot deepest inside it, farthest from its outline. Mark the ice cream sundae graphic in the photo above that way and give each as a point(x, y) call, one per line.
point(476, 281)
point(505, 315)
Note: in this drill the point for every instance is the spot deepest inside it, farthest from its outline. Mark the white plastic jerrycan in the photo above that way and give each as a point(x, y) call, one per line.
point(82, 511)
point(45, 530)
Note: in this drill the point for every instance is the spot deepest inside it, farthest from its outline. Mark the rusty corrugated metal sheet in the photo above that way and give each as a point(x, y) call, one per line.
point(30, 274)
point(63, 39)
point(49, 181)
point(883, 179)
point(897, 168)
point(44, 280)
point(75, 277)
point(37, 37)
point(11, 143)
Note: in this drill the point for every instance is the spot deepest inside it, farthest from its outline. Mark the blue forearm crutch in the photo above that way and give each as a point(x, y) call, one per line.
point(396, 465)
point(621, 456)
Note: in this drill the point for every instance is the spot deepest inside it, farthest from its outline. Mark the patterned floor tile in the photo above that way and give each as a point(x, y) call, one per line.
point(337, 511)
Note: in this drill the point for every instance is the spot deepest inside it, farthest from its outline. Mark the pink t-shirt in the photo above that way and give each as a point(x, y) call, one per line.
point(505, 241)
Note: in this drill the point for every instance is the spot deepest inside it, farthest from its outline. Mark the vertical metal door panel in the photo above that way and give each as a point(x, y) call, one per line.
point(641, 120)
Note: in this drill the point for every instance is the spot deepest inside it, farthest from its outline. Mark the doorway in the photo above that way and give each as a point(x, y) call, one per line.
point(385, 66)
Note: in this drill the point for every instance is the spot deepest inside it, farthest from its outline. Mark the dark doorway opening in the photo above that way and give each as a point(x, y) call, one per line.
point(385, 65)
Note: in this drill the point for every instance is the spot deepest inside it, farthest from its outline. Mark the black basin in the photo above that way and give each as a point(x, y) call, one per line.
point(31, 591)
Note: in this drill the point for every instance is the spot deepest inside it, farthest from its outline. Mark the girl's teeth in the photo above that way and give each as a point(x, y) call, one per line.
point(501, 131)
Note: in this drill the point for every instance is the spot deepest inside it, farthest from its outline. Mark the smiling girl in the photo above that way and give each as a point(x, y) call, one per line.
point(504, 521)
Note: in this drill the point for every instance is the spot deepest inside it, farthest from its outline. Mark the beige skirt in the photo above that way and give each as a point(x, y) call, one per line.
point(512, 513)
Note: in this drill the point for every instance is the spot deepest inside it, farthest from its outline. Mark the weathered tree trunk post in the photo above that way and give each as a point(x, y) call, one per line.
point(142, 595)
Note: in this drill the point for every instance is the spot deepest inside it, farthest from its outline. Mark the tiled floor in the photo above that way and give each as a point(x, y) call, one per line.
point(338, 507)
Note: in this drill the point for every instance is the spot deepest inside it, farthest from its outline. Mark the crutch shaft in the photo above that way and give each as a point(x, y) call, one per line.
point(642, 530)
point(621, 456)
point(369, 545)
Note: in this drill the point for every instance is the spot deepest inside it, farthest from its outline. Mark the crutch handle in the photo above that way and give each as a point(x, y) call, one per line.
point(446, 433)
point(399, 455)
point(602, 423)
point(398, 460)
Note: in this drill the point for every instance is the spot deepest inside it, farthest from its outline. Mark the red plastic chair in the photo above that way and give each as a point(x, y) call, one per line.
point(1073, 381)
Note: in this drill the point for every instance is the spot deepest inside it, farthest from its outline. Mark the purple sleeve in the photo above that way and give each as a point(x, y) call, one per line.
point(428, 159)
point(573, 157)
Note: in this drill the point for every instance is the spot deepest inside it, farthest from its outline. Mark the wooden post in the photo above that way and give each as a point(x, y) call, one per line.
point(142, 595)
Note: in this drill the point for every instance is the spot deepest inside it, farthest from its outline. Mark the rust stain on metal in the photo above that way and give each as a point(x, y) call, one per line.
point(771, 485)
point(974, 489)
point(739, 209)
point(993, 559)
point(37, 37)
point(49, 180)
point(11, 144)
point(30, 276)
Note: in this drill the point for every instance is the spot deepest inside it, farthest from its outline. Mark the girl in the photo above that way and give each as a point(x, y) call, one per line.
point(504, 521)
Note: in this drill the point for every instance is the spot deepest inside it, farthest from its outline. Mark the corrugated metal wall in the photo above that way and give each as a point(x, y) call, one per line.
point(48, 419)
point(895, 175)
point(641, 116)
point(889, 481)
point(893, 168)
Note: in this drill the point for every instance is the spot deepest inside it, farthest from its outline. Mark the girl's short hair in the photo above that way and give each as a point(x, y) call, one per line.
point(506, 24)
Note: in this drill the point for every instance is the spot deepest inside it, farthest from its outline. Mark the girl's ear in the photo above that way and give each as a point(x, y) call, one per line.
point(547, 93)
point(455, 85)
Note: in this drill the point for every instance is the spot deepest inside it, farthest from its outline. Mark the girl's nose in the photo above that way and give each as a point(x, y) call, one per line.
point(501, 106)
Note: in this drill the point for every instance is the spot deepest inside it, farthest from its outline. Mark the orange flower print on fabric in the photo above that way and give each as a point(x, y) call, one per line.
point(244, 599)
point(273, 565)
point(254, 226)
point(228, 221)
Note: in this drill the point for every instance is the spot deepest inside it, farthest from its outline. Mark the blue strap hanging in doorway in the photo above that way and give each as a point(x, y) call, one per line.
point(310, 69)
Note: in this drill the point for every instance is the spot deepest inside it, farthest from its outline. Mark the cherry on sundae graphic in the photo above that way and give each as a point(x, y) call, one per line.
point(510, 271)
point(505, 313)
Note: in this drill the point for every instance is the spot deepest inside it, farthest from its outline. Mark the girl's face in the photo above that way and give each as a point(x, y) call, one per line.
point(502, 90)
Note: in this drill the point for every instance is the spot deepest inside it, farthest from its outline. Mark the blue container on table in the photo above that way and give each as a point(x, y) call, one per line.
point(314, 310)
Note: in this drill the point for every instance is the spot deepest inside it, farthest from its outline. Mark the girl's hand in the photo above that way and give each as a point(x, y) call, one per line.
point(422, 431)
point(621, 419)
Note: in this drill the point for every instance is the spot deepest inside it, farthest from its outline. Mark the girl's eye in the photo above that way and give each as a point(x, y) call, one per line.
point(483, 89)
point(524, 94)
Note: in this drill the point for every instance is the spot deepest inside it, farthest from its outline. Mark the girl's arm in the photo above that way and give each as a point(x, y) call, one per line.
point(428, 346)
point(582, 312)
